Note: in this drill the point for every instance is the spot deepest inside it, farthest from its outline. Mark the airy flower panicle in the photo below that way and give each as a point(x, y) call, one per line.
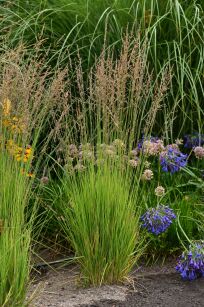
point(157, 220)
point(191, 263)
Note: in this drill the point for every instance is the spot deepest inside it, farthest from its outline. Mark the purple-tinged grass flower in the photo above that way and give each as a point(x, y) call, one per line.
point(192, 140)
point(157, 220)
point(72, 150)
point(172, 159)
point(191, 263)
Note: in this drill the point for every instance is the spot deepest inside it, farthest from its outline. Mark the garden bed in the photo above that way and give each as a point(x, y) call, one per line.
point(158, 285)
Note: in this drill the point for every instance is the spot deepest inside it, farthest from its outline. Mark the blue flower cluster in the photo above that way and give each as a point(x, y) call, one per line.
point(192, 140)
point(157, 220)
point(172, 160)
point(191, 263)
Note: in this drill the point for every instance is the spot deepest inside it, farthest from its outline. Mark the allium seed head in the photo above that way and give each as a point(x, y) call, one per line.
point(133, 163)
point(148, 174)
point(159, 191)
point(199, 152)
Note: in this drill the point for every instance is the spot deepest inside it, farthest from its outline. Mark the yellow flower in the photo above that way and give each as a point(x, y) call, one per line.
point(28, 151)
point(18, 158)
point(29, 174)
point(6, 107)
point(6, 122)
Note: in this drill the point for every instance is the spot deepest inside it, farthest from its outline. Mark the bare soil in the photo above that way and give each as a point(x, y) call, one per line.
point(158, 285)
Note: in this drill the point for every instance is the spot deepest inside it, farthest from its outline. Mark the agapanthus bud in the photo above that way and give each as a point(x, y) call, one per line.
point(193, 140)
point(157, 220)
point(191, 263)
point(159, 191)
point(148, 174)
point(199, 152)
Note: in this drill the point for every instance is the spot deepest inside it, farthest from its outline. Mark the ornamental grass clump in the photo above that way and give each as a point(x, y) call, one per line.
point(191, 262)
point(101, 222)
point(16, 227)
point(27, 99)
point(157, 220)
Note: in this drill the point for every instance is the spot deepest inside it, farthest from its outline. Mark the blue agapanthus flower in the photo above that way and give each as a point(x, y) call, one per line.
point(172, 159)
point(191, 263)
point(192, 140)
point(157, 220)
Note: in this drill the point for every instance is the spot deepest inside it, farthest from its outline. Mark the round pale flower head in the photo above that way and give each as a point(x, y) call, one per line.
point(44, 180)
point(110, 151)
point(199, 152)
point(133, 163)
point(159, 191)
point(152, 148)
point(118, 143)
point(148, 174)
point(147, 164)
point(134, 152)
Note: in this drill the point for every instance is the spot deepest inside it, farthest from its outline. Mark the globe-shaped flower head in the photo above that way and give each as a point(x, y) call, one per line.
point(172, 159)
point(157, 220)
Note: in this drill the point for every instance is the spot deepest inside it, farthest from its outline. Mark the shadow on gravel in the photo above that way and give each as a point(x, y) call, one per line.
point(165, 290)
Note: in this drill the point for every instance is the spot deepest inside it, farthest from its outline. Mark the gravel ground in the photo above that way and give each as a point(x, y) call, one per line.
point(158, 285)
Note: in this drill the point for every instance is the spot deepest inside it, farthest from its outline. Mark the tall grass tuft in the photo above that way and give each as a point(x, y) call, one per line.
point(15, 234)
point(100, 220)
point(27, 98)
